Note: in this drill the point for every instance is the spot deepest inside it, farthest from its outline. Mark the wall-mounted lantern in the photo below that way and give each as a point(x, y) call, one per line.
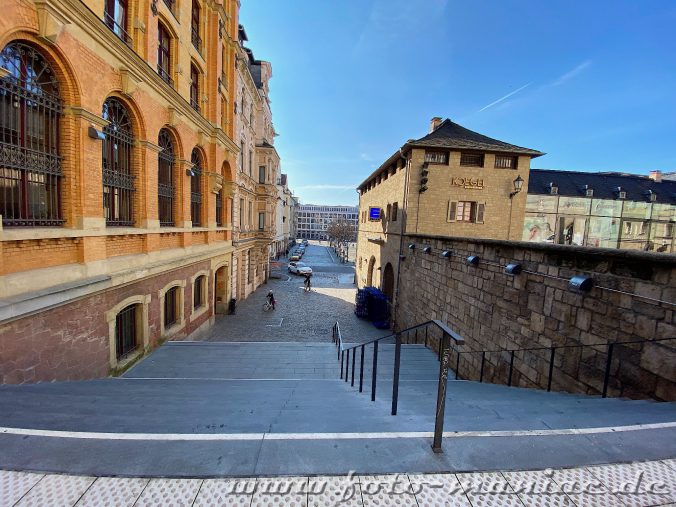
point(447, 253)
point(472, 260)
point(411, 246)
point(581, 283)
point(513, 269)
point(427, 250)
point(94, 133)
point(518, 184)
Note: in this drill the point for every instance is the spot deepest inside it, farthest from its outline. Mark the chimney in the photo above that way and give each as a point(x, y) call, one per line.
point(656, 176)
point(434, 124)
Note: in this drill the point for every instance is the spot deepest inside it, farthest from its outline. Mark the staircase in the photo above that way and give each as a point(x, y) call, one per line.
point(255, 408)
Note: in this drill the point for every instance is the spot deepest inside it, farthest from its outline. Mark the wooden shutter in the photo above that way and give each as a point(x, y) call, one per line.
point(452, 206)
point(480, 209)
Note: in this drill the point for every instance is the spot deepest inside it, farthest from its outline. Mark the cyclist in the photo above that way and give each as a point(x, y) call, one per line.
point(307, 284)
point(271, 299)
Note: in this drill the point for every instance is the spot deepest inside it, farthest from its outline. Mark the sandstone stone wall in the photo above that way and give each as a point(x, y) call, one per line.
point(498, 312)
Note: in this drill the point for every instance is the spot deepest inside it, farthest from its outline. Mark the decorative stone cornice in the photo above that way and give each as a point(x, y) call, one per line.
point(130, 81)
point(51, 19)
point(81, 112)
point(149, 146)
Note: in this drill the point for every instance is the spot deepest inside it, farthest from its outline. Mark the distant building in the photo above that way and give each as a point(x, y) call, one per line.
point(612, 210)
point(284, 217)
point(312, 220)
point(451, 182)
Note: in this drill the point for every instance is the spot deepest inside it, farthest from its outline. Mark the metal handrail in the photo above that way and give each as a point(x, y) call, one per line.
point(445, 347)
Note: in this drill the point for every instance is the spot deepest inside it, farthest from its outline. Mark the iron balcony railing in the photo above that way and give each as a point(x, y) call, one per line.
point(196, 39)
point(118, 29)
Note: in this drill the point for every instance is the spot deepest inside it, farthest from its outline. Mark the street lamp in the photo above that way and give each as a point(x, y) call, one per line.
point(518, 183)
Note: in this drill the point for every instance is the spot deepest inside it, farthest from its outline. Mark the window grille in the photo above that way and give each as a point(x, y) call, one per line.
point(219, 209)
point(125, 332)
point(170, 307)
point(118, 181)
point(195, 26)
point(30, 165)
point(506, 162)
point(472, 159)
point(194, 88)
point(165, 178)
point(196, 188)
point(198, 292)
point(436, 157)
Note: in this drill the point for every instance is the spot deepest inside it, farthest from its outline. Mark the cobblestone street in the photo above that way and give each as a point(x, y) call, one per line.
point(300, 316)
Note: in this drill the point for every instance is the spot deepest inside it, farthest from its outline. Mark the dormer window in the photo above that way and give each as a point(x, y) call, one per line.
point(652, 196)
point(588, 192)
point(621, 193)
point(553, 189)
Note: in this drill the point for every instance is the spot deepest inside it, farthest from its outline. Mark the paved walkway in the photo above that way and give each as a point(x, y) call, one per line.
point(636, 484)
point(300, 316)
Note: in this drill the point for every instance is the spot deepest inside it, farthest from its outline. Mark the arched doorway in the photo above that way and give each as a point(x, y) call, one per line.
point(369, 275)
point(221, 290)
point(388, 281)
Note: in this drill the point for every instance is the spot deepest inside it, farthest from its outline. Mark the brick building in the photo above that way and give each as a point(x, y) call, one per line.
point(610, 210)
point(451, 182)
point(258, 169)
point(116, 179)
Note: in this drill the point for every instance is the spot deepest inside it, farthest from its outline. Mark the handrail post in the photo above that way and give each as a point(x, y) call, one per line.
point(606, 377)
point(342, 358)
point(511, 368)
point(441, 398)
point(347, 365)
point(457, 365)
point(395, 378)
point(354, 356)
point(374, 371)
point(551, 369)
point(361, 370)
point(483, 360)
point(426, 336)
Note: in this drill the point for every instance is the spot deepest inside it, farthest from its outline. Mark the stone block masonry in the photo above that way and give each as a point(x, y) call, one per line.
point(634, 299)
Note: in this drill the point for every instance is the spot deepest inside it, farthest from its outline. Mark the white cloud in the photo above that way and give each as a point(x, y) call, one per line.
point(572, 73)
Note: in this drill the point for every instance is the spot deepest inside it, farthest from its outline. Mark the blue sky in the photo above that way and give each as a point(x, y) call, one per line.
point(592, 84)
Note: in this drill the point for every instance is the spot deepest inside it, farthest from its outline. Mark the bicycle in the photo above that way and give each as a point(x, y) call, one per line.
point(267, 306)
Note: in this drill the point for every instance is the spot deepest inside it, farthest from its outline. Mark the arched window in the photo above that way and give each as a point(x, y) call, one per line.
point(164, 54)
point(194, 88)
point(196, 188)
point(126, 331)
point(118, 181)
point(30, 165)
point(219, 208)
point(165, 178)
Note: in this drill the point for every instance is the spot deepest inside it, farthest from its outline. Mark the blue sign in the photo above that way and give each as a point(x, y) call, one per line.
point(374, 213)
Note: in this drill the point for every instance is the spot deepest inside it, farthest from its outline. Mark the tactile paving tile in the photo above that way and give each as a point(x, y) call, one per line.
point(671, 463)
point(287, 491)
point(387, 490)
point(218, 492)
point(639, 484)
point(489, 490)
point(170, 492)
point(537, 489)
point(113, 492)
point(438, 490)
point(14, 485)
point(329, 491)
point(584, 488)
point(57, 491)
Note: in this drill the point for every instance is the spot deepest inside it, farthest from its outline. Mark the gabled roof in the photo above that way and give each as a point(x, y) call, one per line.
point(604, 185)
point(454, 136)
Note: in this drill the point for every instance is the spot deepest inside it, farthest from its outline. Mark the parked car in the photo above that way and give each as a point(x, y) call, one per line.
point(294, 258)
point(299, 268)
